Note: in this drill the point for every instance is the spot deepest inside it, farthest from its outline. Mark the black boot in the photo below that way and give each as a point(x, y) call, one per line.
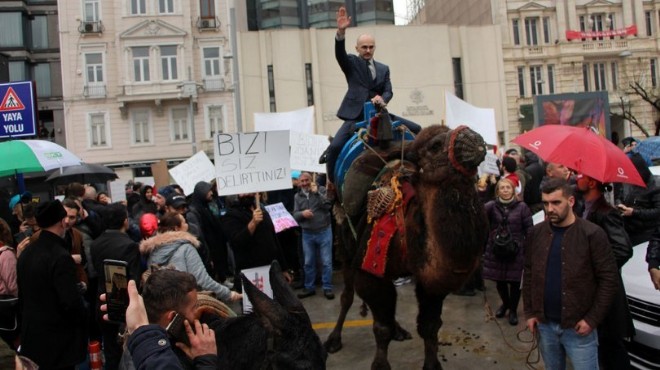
point(513, 318)
point(500, 311)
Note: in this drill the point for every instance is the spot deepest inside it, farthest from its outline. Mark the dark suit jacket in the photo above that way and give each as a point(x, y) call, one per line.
point(361, 87)
point(116, 245)
point(54, 324)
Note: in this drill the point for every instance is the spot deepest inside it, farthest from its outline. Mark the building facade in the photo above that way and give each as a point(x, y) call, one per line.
point(569, 46)
point(31, 44)
point(145, 80)
point(258, 15)
point(285, 70)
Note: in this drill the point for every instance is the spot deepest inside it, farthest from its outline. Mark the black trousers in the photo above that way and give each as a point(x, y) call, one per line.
point(344, 134)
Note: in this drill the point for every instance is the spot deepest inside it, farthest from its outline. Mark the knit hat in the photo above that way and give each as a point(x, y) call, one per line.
point(166, 191)
point(50, 213)
point(22, 198)
point(148, 225)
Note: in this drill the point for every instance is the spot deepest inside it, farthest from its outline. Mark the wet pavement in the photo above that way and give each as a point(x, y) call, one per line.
point(468, 340)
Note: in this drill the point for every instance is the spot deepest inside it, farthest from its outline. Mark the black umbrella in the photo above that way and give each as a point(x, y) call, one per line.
point(85, 173)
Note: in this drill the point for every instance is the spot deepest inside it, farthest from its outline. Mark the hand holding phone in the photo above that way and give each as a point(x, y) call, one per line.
point(176, 329)
point(116, 289)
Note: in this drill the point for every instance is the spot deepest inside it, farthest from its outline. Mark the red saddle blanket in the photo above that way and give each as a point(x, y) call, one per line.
point(384, 228)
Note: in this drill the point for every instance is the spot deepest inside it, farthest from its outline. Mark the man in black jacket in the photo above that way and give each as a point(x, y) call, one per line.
point(617, 326)
point(114, 244)
point(54, 331)
point(252, 235)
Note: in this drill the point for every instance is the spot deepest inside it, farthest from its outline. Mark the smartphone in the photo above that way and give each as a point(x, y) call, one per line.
point(116, 289)
point(177, 330)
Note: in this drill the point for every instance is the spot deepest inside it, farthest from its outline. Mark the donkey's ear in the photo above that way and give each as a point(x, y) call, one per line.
point(271, 313)
point(282, 292)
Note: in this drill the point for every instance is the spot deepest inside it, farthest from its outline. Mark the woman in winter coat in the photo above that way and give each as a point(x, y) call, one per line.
point(174, 245)
point(507, 273)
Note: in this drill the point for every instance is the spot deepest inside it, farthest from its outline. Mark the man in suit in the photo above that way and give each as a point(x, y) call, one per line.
point(54, 331)
point(114, 244)
point(367, 79)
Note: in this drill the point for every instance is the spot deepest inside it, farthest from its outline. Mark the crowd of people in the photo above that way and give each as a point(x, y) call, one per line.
point(52, 256)
point(569, 265)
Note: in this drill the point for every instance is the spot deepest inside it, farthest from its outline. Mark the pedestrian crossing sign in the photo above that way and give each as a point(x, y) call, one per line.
point(11, 101)
point(18, 109)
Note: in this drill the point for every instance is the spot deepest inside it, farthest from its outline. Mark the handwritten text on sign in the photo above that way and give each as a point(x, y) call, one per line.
point(282, 219)
point(260, 278)
point(252, 162)
point(306, 150)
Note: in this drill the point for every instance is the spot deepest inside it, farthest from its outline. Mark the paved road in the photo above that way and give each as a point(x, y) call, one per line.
point(467, 340)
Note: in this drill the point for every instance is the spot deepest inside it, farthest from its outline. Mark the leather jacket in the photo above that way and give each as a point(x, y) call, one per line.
point(590, 278)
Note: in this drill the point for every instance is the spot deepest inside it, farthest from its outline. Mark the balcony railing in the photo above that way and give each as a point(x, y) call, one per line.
point(94, 91)
point(214, 84)
point(91, 27)
point(208, 23)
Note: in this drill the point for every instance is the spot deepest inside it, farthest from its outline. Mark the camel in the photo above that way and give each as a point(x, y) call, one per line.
point(438, 241)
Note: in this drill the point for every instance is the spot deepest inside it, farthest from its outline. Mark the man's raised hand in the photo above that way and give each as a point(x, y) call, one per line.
point(343, 20)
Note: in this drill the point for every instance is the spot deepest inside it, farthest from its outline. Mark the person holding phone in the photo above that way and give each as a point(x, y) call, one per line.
point(166, 296)
point(114, 244)
point(54, 334)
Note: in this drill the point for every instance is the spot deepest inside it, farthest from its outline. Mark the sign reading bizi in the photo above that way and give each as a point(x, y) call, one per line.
point(17, 110)
point(252, 162)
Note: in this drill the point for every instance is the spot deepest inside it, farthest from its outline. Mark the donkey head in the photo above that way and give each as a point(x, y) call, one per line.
point(295, 344)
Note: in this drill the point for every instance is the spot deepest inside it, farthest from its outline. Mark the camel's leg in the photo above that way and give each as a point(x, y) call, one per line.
point(380, 295)
point(333, 343)
point(429, 321)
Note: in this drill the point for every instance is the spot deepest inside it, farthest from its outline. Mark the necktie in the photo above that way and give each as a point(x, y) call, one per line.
point(372, 68)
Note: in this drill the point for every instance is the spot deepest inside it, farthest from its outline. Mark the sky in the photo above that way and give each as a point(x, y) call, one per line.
point(400, 11)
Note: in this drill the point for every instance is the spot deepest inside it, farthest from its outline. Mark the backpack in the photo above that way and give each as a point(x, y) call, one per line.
point(505, 246)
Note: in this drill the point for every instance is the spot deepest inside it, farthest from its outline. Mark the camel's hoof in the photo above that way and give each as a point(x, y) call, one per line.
point(332, 344)
point(401, 334)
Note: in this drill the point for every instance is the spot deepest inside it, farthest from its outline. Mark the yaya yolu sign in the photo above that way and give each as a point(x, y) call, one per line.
point(18, 116)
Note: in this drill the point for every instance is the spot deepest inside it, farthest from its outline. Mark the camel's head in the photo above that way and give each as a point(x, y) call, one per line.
point(440, 152)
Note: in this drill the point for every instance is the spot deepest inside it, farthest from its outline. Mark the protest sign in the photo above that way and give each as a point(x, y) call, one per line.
point(193, 170)
point(252, 162)
point(481, 120)
point(259, 276)
point(117, 189)
point(489, 165)
point(306, 149)
point(282, 219)
point(159, 172)
point(301, 120)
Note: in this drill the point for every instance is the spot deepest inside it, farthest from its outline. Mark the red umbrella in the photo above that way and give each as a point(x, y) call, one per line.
point(582, 150)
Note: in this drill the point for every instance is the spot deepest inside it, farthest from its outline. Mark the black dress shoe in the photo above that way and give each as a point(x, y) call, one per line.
point(329, 294)
point(500, 312)
point(513, 318)
point(306, 293)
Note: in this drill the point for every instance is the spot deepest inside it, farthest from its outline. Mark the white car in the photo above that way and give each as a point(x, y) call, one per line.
point(644, 302)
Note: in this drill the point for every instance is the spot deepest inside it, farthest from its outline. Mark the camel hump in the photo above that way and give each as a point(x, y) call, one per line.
point(365, 174)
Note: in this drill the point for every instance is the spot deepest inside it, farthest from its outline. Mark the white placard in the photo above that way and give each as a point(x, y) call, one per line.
point(117, 190)
point(260, 278)
point(193, 170)
point(301, 120)
point(306, 149)
point(489, 165)
point(282, 219)
point(481, 120)
point(538, 217)
point(252, 162)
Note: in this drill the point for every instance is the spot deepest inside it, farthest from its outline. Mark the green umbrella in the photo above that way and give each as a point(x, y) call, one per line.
point(23, 156)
